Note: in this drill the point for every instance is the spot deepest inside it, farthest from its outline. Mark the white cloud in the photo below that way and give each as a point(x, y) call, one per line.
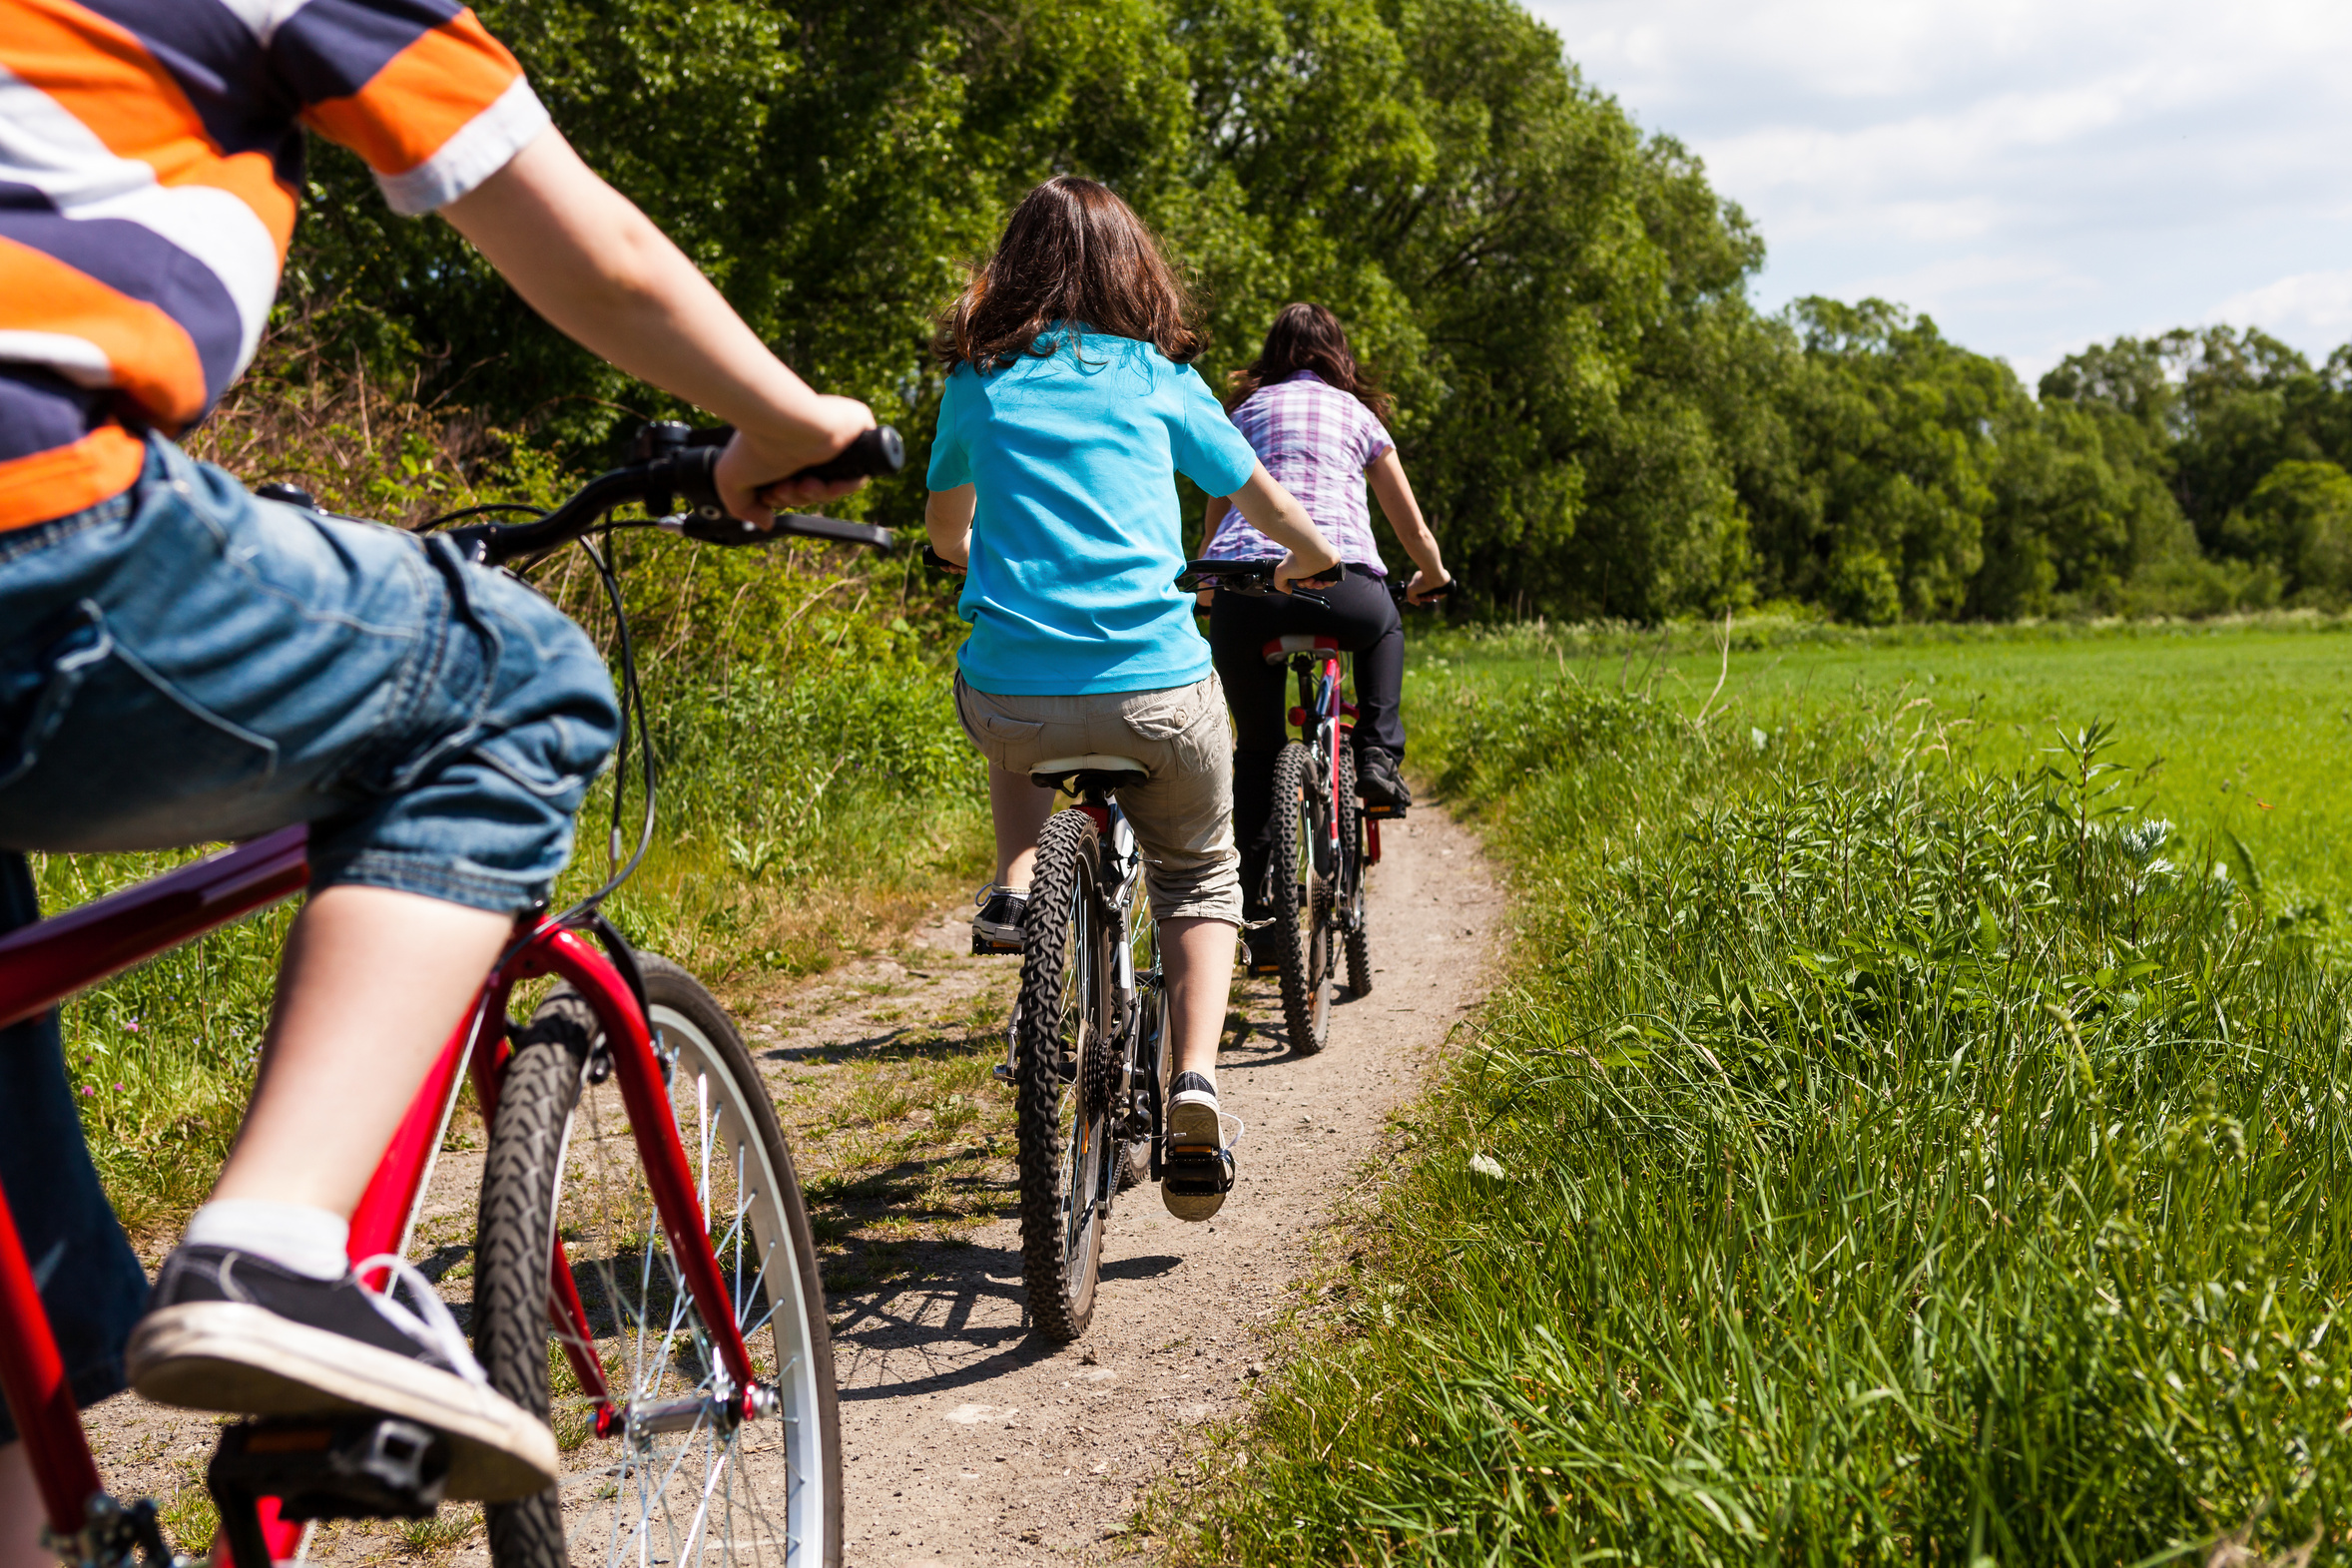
point(2039, 176)
point(2307, 307)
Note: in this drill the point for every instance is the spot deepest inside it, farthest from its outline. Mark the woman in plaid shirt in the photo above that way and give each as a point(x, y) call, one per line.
point(1316, 422)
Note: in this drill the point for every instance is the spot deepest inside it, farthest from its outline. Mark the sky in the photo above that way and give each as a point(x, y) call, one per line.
point(2035, 176)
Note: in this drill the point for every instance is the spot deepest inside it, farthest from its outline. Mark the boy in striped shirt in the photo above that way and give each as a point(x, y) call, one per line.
point(182, 663)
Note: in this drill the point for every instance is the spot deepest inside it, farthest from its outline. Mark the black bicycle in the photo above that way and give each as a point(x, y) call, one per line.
point(1325, 836)
point(1089, 1044)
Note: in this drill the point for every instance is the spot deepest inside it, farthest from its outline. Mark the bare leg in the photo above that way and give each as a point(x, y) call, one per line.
point(20, 1515)
point(374, 982)
point(1198, 958)
point(1019, 809)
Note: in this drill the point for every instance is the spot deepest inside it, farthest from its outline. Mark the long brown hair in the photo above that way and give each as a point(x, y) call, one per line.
point(1309, 337)
point(1071, 252)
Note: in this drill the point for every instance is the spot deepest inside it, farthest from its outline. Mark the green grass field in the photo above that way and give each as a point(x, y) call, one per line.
point(2242, 725)
point(1877, 1154)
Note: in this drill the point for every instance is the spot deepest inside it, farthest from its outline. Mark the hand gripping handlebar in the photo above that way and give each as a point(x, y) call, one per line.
point(1254, 577)
point(673, 472)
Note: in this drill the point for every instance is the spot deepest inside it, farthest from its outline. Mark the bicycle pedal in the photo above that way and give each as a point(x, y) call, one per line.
point(983, 947)
point(1003, 1074)
point(1384, 814)
point(332, 1467)
point(1198, 1173)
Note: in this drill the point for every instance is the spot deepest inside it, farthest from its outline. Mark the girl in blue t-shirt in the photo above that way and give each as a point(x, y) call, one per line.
point(1069, 411)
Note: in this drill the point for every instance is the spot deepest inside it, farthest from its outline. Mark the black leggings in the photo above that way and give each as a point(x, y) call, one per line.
point(1363, 619)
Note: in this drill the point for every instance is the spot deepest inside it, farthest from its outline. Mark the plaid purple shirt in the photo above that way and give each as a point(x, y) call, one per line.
point(1316, 442)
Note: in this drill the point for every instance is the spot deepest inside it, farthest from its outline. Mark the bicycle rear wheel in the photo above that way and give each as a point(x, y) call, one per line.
point(1063, 1068)
point(1355, 926)
point(563, 1161)
point(1301, 901)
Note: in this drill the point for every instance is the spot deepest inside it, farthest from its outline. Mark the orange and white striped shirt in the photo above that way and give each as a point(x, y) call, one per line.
point(149, 160)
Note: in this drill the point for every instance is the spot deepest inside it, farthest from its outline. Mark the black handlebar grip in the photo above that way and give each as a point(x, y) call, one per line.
point(878, 451)
point(940, 563)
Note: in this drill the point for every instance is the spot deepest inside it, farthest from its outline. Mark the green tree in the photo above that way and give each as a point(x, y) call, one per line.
point(2300, 520)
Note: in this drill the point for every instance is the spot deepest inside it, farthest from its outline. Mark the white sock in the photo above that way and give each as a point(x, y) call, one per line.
point(295, 1236)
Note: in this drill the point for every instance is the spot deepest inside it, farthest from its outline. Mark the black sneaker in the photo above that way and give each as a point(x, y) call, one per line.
point(227, 1330)
point(1004, 916)
point(1378, 781)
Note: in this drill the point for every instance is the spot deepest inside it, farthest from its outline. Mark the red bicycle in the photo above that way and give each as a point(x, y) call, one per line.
point(638, 1209)
point(1325, 836)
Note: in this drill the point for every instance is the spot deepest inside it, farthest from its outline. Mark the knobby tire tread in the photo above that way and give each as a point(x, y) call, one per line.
point(1352, 857)
point(1067, 840)
point(1294, 779)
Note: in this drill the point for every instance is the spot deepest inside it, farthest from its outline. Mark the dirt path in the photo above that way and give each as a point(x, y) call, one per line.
point(967, 1440)
point(970, 1440)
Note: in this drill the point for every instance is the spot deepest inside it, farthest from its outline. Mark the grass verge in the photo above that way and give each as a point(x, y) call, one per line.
point(1876, 1159)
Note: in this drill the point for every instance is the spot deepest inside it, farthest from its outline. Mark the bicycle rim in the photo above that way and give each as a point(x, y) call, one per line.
point(1066, 1162)
point(704, 1492)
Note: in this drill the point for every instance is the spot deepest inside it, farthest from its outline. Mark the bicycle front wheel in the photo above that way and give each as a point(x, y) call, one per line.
point(1064, 1068)
point(1303, 902)
point(674, 1483)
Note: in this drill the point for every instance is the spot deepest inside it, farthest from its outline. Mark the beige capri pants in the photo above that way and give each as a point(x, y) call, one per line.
point(1182, 813)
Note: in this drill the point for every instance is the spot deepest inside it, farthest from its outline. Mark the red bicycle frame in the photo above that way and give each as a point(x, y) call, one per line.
point(41, 964)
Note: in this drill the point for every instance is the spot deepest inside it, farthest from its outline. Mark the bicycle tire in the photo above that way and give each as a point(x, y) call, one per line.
point(1150, 1065)
point(1301, 903)
point(1355, 923)
point(561, 1161)
point(1060, 1071)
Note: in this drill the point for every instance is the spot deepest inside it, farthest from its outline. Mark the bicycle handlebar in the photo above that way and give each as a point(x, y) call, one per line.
point(1444, 590)
point(1254, 577)
point(671, 463)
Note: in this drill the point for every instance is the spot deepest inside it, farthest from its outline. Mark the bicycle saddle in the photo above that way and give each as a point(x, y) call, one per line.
point(1282, 648)
point(1076, 774)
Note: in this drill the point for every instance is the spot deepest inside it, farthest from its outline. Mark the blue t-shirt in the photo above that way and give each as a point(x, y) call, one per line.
point(1076, 539)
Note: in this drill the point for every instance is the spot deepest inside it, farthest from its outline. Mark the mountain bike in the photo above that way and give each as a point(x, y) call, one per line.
point(639, 1207)
point(1325, 836)
point(1089, 1044)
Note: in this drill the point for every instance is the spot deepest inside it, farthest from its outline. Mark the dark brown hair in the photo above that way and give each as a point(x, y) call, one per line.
point(1309, 337)
point(1071, 252)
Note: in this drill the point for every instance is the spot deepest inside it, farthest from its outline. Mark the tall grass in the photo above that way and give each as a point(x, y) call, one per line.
point(1875, 1160)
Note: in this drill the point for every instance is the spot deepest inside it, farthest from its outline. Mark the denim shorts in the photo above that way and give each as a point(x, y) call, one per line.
point(185, 663)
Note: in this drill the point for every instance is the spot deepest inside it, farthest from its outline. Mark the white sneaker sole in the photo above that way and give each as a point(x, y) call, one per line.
point(226, 1356)
point(1193, 1124)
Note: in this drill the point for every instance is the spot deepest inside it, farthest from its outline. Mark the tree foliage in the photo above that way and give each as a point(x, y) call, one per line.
point(1596, 416)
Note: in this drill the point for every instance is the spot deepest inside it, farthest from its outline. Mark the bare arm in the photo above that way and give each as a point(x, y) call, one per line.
point(1394, 491)
point(947, 517)
point(587, 260)
point(1277, 514)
